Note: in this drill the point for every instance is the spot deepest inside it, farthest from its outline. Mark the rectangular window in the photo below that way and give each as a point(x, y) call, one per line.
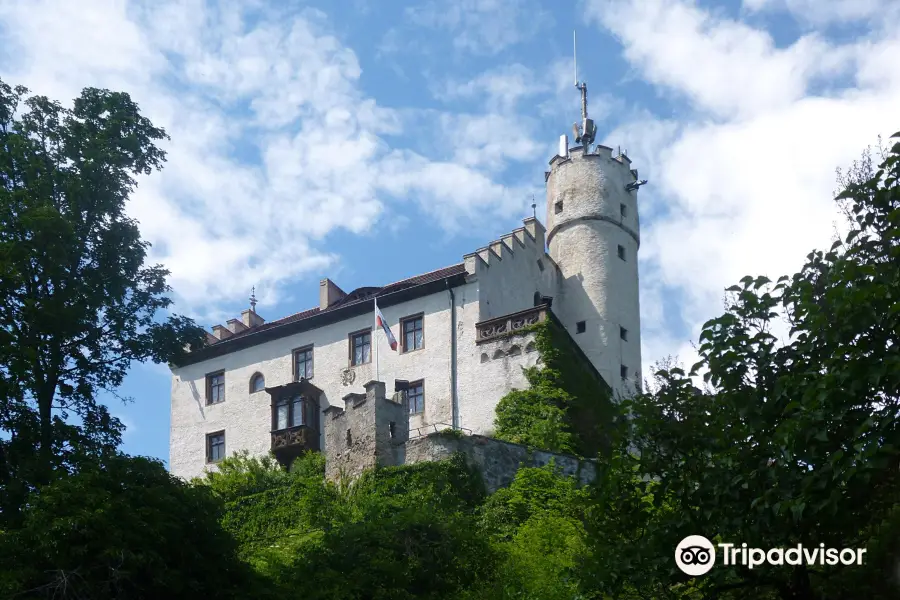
point(293, 411)
point(580, 327)
point(413, 330)
point(557, 208)
point(303, 363)
point(215, 446)
point(623, 211)
point(624, 371)
point(361, 347)
point(415, 395)
point(215, 387)
point(623, 333)
point(621, 251)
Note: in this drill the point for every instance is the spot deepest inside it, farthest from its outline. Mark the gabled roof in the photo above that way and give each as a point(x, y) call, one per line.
point(354, 303)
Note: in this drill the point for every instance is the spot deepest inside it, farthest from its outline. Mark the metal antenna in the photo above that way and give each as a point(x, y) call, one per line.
point(253, 299)
point(533, 207)
point(588, 130)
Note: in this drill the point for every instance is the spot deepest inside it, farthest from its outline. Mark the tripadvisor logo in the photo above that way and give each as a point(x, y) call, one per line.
point(696, 555)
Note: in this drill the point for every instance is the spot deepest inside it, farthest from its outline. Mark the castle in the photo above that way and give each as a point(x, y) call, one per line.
point(315, 380)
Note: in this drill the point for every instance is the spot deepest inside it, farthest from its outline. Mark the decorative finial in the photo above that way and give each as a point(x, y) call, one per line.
point(253, 299)
point(533, 207)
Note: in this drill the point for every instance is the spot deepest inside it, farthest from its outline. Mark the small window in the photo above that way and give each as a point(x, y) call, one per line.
point(257, 383)
point(621, 251)
point(215, 387)
point(557, 208)
point(415, 395)
point(580, 327)
point(624, 371)
point(413, 329)
point(303, 363)
point(623, 333)
point(392, 430)
point(623, 211)
point(215, 447)
point(360, 347)
point(349, 439)
point(540, 264)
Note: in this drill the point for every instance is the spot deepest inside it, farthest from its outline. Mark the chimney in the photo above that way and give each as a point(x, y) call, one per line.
point(236, 326)
point(210, 338)
point(221, 333)
point(329, 293)
point(250, 319)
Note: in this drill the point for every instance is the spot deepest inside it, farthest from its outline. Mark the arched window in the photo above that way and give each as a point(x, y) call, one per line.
point(514, 351)
point(257, 383)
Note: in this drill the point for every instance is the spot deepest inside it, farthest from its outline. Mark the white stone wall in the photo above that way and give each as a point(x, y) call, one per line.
point(510, 270)
point(246, 418)
point(488, 371)
point(597, 286)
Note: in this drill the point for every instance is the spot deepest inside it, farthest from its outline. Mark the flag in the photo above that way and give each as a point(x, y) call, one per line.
point(379, 320)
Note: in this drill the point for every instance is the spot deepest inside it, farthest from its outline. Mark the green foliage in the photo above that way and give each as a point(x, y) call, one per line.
point(792, 441)
point(567, 407)
point(77, 303)
point(123, 528)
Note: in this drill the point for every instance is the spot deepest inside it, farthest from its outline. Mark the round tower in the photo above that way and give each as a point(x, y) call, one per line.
point(593, 235)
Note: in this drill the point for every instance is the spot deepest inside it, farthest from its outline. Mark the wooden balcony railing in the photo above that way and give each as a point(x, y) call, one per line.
point(511, 324)
point(295, 439)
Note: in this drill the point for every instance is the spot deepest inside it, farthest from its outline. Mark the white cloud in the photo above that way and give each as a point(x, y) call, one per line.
point(824, 12)
point(744, 184)
point(228, 83)
point(483, 26)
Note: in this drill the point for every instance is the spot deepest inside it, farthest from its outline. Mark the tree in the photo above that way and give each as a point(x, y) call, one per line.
point(124, 528)
point(792, 441)
point(77, 303)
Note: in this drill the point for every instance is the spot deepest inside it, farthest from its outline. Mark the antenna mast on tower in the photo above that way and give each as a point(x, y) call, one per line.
point(585, 134)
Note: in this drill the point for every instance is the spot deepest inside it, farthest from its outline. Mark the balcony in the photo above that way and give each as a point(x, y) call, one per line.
point(304, 436)
point(508, 325)
point(295, 420)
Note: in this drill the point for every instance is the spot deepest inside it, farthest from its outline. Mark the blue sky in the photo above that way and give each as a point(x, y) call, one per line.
point(368, 142)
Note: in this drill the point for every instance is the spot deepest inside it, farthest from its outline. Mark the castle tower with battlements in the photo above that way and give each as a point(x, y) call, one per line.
point(593, 235)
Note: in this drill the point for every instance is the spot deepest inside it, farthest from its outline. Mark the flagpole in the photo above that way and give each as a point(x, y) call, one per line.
point(375, 339)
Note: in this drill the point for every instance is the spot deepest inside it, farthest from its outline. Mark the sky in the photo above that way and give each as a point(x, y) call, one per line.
point(369, 142)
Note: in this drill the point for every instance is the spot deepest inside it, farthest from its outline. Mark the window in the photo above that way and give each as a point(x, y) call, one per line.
point(623, 211)
point(415, 395)
point(215, 387)
point(413, 333)
point(257, 383)
point(557, 208)
point(623, 333)
point(303, 363)
point(624, 371)
point(292, 411)
point(540, 265)
point(621, 251)
point(215, 447)
point(349, 439)
point(393, 430)
point(580, 327)
point(361, 347)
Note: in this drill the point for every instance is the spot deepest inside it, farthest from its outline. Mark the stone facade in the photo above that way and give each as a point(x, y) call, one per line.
point(467, 362)
point(365, 433)
point(369, 432)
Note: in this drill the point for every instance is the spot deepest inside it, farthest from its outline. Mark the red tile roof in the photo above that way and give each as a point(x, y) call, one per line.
point(357, 296)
